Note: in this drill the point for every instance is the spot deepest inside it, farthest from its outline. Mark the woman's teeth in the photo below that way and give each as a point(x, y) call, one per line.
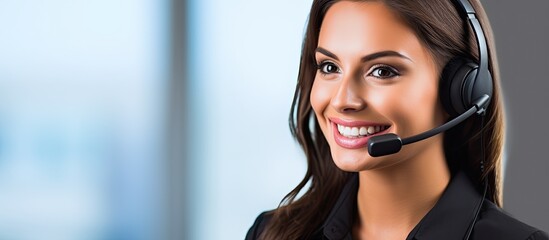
point(353, 132)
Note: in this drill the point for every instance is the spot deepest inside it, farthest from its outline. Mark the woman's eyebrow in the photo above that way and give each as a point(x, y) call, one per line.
point(373, 56)
point(368, 57)
point(326, 52)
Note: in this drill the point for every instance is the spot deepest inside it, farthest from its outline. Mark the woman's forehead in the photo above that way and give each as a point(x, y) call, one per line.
point(358, 28)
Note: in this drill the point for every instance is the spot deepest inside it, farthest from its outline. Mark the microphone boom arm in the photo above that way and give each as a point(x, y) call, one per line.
point(391, 143)
point(478, 107)
point(441, 128)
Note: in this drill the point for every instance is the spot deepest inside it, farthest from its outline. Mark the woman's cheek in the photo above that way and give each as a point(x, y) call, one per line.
point(320, 100)
point(320, 97)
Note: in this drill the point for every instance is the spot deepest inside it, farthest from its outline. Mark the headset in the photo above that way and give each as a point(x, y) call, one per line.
point(466, 88)
point(463, 81)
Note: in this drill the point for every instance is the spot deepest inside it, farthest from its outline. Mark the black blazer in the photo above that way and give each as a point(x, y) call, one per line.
point(449, 219)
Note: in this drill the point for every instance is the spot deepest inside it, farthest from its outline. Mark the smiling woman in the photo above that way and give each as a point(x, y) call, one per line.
point(380, 75)
point(371, 68)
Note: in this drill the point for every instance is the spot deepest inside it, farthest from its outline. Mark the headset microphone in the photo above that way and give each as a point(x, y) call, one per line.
point(391, 143)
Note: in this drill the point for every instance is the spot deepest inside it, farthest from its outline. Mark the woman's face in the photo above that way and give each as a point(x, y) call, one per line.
point(373, 77)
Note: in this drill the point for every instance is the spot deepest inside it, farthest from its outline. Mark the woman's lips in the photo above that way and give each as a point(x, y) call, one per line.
point(354, 140)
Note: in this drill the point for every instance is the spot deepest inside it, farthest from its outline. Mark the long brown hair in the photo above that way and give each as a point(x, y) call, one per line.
point(443, 31)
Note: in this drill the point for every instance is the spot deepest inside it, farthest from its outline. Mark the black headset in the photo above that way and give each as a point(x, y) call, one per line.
point(463, 80)
point(465, 89)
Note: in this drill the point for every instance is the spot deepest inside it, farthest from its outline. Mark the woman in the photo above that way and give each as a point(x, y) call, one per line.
point(369, 68)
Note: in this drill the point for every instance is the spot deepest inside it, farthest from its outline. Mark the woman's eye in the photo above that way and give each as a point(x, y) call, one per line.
point(384, 72)
point(328, 68)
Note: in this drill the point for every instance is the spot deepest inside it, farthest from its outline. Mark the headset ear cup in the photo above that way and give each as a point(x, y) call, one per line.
point(460, 85)
point(452, 78)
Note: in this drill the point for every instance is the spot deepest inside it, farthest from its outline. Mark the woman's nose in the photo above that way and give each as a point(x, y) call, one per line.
point(348, 97)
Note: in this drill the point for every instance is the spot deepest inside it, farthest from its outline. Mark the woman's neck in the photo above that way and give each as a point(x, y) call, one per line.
point(391, 201)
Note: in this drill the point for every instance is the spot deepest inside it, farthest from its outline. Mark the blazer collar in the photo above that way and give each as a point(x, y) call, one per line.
point(449, 219)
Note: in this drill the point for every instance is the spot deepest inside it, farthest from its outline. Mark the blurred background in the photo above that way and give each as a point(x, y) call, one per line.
point(167, 119)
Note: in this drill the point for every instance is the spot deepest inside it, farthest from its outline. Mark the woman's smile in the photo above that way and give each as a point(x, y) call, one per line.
point(355, 134)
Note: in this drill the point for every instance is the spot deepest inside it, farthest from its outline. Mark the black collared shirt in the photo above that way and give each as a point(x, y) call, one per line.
point(449, 219)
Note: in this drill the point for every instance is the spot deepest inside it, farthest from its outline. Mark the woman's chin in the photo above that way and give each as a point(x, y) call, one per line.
point(356, 161)
point(351, 161)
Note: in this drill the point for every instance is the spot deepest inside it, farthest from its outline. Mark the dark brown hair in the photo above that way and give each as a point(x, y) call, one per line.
point(441, 28)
